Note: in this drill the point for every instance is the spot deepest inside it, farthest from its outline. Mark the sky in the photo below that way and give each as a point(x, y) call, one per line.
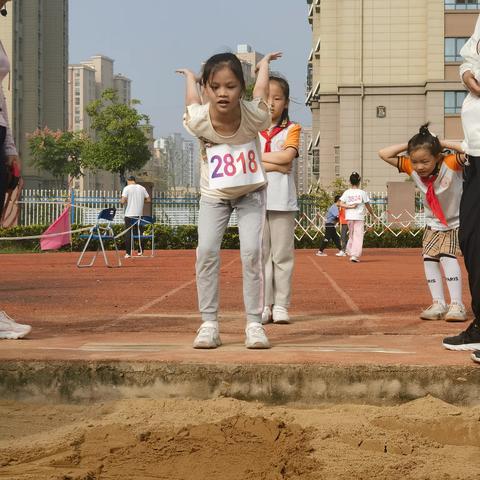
point(149, 39)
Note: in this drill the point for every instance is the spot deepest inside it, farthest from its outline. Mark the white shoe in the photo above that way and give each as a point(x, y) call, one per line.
point(280, 315)
point(456, 313)
point(321, 254)
point(127, 256)
point(266, 315)
point(10, 329)
point(354, 259)
point(207, 336)
point(341, 253)
point(256, 338)
point(436, 311)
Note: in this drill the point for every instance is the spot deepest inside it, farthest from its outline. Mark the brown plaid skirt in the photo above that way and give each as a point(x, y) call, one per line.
point(436, 243)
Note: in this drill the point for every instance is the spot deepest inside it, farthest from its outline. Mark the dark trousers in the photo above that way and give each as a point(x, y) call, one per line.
point(469, 232)
point(330, 235)
point(128, 236)
point(344, 235)
point(3, 169)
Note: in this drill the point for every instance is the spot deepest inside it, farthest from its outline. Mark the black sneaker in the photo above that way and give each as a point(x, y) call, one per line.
point(467, 340)
point(476, 356)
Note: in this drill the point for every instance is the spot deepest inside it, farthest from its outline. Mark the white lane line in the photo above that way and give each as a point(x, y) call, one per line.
point(158, 300)
point(348, 300)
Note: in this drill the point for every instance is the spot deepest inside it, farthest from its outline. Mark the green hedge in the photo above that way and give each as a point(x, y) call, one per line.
point(185, 237)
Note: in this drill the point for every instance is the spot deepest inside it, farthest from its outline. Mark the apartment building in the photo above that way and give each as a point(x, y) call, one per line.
point(35, 37)
point(377, 70)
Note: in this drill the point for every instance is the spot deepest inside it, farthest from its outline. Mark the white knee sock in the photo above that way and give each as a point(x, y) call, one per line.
point(434, 279)
point(453, 276)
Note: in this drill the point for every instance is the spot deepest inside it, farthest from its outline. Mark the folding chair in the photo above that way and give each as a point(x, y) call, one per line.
point(137, 233)
point(102, 231)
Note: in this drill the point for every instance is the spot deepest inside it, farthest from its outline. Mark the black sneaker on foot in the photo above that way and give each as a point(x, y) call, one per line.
point(466, 340)
point(476, 356)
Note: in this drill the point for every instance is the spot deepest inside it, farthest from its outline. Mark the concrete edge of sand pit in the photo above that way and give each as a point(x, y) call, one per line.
point(80, 381)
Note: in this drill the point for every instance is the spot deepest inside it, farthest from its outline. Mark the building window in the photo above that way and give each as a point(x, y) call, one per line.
point(453, 47)
point(316, 163)
point(462, 4)
point(454, 101)
point(336, 156)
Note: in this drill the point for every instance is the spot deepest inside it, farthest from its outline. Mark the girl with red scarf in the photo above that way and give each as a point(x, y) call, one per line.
point(280, 145)
point(439, 177)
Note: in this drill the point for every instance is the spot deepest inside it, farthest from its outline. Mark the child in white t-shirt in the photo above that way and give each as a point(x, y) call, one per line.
point(355, 201)
point(280, 145)
point(232, 177)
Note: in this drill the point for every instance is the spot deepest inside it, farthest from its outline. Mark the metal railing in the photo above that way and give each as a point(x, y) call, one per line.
point(42, 207)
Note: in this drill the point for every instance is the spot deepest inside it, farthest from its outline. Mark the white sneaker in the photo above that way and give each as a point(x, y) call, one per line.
point(436, 311)
point(207, 336)
point(10, 329)
point(266, 315)
point(341, 253)
point(256, 338)
point(354, 259)
point(127, 256)
point(321, 254)
point(456, 313)
point(280, 315)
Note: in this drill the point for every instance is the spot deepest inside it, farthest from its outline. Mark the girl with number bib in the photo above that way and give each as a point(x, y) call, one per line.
point(232, 178)
point(280, 145)
point(439, 177)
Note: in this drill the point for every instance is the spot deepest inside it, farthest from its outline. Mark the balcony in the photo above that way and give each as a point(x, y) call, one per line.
point(462, 4)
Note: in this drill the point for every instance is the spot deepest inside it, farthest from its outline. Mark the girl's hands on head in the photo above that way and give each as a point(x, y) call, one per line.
point(187, 73)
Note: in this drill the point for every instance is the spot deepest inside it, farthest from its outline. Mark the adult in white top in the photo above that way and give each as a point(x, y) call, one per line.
point(135, 196)
point(9, 329)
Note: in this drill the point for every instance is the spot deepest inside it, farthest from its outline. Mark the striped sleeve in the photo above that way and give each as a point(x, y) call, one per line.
point(404, 165)
point(454, 161)
point(293, 137)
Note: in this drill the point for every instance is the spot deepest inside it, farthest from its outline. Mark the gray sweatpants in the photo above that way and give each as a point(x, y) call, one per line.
point(278, 255)
point(212, 221)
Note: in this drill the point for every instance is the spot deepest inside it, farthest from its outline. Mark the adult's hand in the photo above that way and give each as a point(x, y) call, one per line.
point(471, 83)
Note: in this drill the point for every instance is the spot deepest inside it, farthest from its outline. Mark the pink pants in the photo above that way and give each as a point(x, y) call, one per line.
point(355, 240)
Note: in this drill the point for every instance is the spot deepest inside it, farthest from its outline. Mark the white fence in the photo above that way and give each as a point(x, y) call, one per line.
point(44, 206)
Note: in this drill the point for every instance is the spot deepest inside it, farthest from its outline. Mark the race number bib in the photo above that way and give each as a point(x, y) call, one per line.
point(234, 165)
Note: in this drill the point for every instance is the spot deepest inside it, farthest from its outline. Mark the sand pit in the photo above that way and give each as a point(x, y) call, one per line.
point(146, 439)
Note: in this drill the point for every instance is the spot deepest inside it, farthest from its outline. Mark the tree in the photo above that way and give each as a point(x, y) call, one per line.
point(57, 152)
point(120, 143)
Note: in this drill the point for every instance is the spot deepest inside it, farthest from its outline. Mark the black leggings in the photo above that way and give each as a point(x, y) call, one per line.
point(469, 231)
point(330, 235)
point(3, 169)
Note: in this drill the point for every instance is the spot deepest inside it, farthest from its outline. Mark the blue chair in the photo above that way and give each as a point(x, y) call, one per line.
point(137, 233)
point(102, 231)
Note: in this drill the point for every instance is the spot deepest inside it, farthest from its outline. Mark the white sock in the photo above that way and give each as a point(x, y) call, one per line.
point(434, 279)
point(453, 276)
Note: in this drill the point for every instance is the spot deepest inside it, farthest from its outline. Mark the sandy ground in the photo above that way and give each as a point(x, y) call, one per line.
point(229, 439)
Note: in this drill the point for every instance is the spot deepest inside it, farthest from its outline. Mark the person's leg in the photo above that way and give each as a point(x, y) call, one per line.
point(335, 238)
point(344, 236)
point(438, 309)
point(128, 236)
point(282, 226)
point(469, 238)
point(251, 221)
point(351, 233)
point(3, 170)
point(213, 219)
point(267, 259)
point(357, 233)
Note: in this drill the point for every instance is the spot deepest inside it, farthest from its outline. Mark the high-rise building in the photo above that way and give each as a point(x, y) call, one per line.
point(378, 69)
point(86, 83)
point(303, 163)
point(182, 165)
point(35, 38)
point(249, 59)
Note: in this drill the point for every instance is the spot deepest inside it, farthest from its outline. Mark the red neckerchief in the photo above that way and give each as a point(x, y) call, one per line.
point(268, 135)
point(432, 199)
